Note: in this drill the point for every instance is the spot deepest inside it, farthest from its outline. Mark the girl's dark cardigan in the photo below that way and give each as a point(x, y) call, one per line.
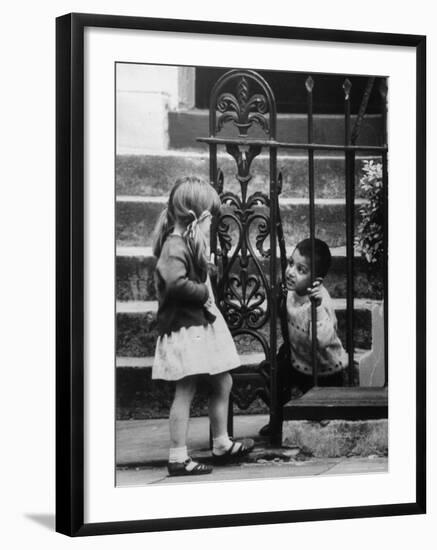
point(181, 292)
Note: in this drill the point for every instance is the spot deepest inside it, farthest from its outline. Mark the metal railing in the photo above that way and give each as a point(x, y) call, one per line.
point(249, 300)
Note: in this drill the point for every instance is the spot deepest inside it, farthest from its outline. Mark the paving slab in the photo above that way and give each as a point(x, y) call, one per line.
point(360, 465)
point(129, 477)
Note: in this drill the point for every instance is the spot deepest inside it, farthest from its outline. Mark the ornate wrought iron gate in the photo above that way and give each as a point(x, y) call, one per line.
point(248, 240)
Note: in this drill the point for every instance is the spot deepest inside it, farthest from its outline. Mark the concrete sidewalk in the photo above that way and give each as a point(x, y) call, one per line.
point(146, 442)
point(142, 454)
point(128, 477)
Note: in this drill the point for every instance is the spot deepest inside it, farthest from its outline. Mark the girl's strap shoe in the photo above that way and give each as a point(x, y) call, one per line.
point(187, 468)
point(237, 450)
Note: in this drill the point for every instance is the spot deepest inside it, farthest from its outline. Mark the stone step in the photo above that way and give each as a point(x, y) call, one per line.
point(184, 127)
point(138, 396)
point(136, 218)
point(136, 328)
point(367, 435)
point(154, 174)
point(247, 360)
point(346, 403)
point(135, 267)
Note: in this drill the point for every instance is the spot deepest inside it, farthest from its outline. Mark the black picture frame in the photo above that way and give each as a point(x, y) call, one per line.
point(70, 273)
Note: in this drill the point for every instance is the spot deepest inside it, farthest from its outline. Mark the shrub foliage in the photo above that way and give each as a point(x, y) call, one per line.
point(370, 234)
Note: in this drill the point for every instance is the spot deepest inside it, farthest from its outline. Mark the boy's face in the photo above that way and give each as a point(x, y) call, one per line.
point(298, 273)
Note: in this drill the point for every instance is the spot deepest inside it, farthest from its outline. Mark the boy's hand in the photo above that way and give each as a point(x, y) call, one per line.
point(208, 303)
point(315, 292)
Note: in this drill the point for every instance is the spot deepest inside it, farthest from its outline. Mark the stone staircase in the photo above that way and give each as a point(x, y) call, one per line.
point(142, 186)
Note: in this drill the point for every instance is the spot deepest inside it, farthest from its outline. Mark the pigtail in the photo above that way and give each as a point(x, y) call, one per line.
point(190, 200)
point(197, 244)
point(162, 229)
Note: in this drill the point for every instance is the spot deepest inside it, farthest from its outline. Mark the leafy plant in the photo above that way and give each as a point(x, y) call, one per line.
point(370, 235)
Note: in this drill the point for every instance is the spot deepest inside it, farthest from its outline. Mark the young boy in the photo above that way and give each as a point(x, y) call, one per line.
point(295, 365)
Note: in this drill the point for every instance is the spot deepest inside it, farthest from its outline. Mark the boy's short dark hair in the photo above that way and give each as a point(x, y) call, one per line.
point(323, 255)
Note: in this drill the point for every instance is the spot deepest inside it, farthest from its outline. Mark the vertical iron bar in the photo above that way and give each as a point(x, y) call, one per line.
point(213, 181)
point(309, 84)
point(362, 109)
point(350, 218)
point(213, 178)
point(213, 163)
point(280, 231)
point(282, 301)
point(231, 416)
point(385, 263)
point(383, 92)
point(275, 403)
point(350, 221)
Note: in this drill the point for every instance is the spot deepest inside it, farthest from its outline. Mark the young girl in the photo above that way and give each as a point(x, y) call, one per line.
point(193, 336)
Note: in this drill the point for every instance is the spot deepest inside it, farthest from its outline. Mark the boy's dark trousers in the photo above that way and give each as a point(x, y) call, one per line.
point(292, 384)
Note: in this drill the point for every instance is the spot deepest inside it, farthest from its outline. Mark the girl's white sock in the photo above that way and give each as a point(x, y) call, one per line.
point(221, 444)
point(178, 454)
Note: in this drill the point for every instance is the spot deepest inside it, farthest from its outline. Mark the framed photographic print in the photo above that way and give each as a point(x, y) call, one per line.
point(240, 274)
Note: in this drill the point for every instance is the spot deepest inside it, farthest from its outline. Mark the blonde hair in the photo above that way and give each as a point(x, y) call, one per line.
point(189, 198)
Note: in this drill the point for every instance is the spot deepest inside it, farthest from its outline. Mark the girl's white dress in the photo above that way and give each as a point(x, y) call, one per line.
point(194, 350)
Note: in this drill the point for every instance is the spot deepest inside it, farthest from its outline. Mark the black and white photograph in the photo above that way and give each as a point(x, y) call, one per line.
point(216, 292)
point(240, 312)
point(251, 261)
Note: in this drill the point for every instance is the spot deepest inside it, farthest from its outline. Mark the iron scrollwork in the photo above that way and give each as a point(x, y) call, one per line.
point(243, 229)
point(241, 109)
point(243, 288)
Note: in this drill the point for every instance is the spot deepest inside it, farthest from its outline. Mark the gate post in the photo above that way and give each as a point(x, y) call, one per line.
point(248, 289)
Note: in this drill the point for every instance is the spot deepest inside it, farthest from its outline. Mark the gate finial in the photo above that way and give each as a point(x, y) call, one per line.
point(309, 84)
point(347, 85)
